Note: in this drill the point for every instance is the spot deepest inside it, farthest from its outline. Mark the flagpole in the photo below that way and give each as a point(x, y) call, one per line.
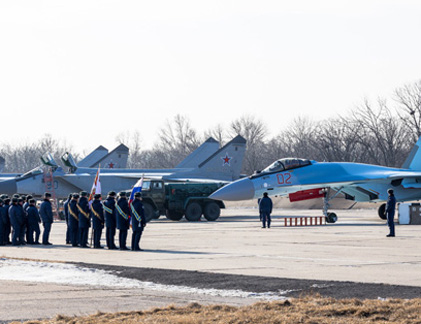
point(95, 186)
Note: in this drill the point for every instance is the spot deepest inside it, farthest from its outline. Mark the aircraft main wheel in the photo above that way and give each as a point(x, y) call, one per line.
point(212, 211)
point(174, 216)
point(193, 212)
point(331, 218)
point(382, 211)
point(149, 212)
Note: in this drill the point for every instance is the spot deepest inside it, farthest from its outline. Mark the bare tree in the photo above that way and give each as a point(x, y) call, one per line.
point(218, 133)
point(408, 98)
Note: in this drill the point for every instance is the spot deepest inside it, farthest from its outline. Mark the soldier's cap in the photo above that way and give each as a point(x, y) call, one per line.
point(75, 195)
point(1, 201)
point(390, 190)
point(70, 195)
point(15, 196)
point(14, 200)
point(137, 194)
point(7, 201)
point(97, 196)
point(29, 197)
point(122, 194)
point(83, 193)
point(4, 196)
point(47, 195)
point(20, 200)
point(112, 194)
point(32, 201)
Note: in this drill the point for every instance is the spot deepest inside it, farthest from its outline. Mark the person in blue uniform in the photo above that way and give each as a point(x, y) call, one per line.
point(265, 209)
point(74, 220)
point(66, 217)
point(138, 221)
point(33, 222)
point(122, 213)
point(24, 224)
point(97, 211)
point(8, 226)
point(84, 219)
point(2, 224)
point(390, 212)
point(110, 220)
point(16, 219)
point(46, 213)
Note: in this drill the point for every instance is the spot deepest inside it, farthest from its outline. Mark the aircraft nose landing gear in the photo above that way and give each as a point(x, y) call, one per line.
point(330, 217)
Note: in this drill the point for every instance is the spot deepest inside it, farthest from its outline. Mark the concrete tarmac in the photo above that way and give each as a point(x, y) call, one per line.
point(354, 249)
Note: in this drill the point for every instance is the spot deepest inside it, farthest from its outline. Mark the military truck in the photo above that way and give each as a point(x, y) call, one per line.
point(176, 200)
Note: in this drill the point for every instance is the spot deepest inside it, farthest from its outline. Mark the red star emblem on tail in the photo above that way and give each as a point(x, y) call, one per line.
point(226, 159)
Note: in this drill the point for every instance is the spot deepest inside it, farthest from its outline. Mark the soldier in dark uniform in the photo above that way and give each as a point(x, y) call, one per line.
point(74, 220)
point(122, 212)
point(110, 220)
point(33, 222)
point(84, 219)
point(138, 221)
point(2, 223)
point(46, 213)
point(25, 207)
point(265, 208)
point(16, 219)
point(97, 220)
point(66, 217)
point(7, 229)
point(24, 224)
point(390, 212)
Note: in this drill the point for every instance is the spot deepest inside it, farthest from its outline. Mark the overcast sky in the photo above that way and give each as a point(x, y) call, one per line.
point(87, 70)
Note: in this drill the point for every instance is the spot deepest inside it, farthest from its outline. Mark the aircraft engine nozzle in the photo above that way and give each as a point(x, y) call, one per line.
point(242, 189)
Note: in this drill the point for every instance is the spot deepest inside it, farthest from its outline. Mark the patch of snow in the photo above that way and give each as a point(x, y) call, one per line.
point(69, 274)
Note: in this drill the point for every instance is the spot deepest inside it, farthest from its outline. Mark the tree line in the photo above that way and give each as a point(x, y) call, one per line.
point(381, 132)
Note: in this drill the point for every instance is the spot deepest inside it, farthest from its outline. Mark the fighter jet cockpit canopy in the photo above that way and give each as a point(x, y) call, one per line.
point(286, 164)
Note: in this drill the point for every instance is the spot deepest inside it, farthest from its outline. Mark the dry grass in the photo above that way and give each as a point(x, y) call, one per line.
point(302, 310)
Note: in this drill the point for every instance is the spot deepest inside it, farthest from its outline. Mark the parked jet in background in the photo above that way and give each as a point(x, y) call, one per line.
point(304, 179)
point(206, 163)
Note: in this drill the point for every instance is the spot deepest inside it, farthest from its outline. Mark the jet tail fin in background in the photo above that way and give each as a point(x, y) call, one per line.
point(92, 158)
point(200, 154)
point(227, 162)
point(413, 161)
point(116, 159)
point(2, 163)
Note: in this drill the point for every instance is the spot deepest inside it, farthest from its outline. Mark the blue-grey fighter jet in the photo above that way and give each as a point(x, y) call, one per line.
point(302, 179)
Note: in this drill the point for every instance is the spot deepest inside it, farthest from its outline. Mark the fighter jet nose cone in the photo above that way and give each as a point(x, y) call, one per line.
point(239, 190)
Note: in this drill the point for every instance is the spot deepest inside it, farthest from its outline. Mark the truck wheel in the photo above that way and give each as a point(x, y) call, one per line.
point(149, 212)
point(212, 211)
point(382, 211)
point(193, 212)
point(174, 216)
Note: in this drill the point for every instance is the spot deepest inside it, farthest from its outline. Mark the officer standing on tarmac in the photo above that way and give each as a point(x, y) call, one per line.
point(33, 222)
point(74, 220)
point(66, 217)
point(265, 209)
point(46, 213)
point(138, 221)
point(7, 229)
point(84, 219)
point(97, 220)
point(16, 219)
point(25, 207)
point(110, 220)
point(390, 212)
point(122, 212)
point(2, 223)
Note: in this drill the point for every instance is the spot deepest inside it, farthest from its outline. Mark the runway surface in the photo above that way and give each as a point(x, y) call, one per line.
point(233, 253)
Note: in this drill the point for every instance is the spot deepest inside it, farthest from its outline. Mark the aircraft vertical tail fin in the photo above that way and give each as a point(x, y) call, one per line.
point(116, 159)
point(2, 163)
point(413, 161)
point(93, 158)
point(227, 161)
point(209, 147)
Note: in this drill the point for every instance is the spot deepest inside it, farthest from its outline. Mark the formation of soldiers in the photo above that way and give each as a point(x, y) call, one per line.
point(21, 219)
